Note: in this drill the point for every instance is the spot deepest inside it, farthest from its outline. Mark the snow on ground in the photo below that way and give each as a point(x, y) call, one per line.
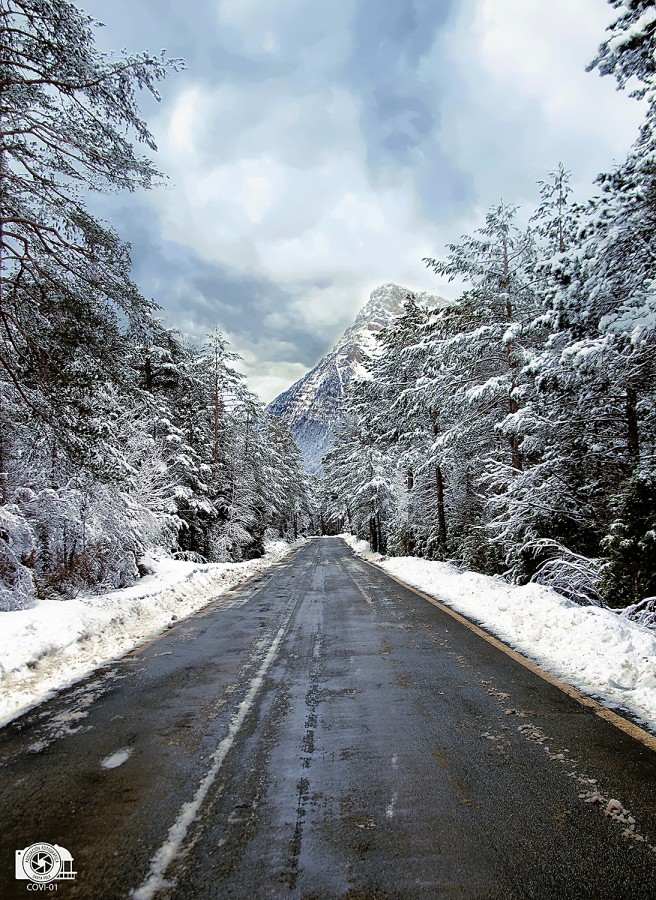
point(57, 642)
point(598, 651)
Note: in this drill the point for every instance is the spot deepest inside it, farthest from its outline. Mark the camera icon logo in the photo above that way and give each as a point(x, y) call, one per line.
point(42, 863)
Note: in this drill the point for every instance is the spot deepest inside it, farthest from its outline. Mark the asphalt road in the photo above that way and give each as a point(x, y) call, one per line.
point(324, 732)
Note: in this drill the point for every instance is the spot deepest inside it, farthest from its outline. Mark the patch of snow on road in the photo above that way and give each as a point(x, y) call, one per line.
point(67, 722)
point(391, 806)
point(58, 642)
point(598, 651)
point(116, 759)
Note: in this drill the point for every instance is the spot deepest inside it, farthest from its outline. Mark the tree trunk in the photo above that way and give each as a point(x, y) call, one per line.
point(373, 534)
point(350, 519)
point(441, 517)
point(513, 406)
point(148, 372)
point(439, 484)
point(632, 433)
point(4, 474)
point(515, 454)
point(217, 411)
point(506, 280)
point(381, 542)
point(248, 434)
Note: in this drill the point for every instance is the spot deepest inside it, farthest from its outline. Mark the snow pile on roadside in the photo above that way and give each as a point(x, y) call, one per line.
point(57, 642)
point(596, 650)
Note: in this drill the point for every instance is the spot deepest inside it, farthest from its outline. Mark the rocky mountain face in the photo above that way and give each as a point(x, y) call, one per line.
point(312, 406)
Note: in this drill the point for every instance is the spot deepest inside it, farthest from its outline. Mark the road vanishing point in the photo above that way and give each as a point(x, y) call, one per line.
point(325, 732)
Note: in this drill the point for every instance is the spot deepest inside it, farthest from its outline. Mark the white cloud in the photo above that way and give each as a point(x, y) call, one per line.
point(521, 100)
point(184, 122)
point(292, 220)
point(540, 51)
point(273, 177)
point(265, 377)
point(289, 28)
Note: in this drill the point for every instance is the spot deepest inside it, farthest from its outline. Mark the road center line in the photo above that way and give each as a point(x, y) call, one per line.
point(359, 587)
point(170, 849)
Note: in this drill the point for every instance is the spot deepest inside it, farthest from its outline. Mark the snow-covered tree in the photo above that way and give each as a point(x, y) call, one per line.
point(66, 114)
point(358, 484)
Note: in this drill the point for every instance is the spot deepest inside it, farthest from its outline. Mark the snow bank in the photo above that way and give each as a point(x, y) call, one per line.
point(596, 650)
point(55, 643)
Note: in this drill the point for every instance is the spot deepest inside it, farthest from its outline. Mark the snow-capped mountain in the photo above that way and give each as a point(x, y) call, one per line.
point(312, 406)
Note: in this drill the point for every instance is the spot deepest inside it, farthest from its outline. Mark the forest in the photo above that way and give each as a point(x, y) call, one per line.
point(115, 433)
point(513, 431)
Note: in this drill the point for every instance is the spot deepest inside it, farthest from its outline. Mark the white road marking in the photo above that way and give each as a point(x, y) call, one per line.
point(170, 849)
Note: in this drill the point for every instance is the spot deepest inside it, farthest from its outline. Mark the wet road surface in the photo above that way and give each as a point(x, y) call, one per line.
point(324, 732)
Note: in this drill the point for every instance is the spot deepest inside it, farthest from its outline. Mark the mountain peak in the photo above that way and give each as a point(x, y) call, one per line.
point(387, 299)
point(313, 405)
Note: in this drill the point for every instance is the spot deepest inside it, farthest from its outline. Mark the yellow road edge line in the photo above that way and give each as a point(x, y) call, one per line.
point(634, 731)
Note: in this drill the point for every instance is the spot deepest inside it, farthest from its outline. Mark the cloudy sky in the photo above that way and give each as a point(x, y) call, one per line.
point(317, 149)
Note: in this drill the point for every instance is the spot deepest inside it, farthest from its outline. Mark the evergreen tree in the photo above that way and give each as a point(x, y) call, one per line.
point(65, 113)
